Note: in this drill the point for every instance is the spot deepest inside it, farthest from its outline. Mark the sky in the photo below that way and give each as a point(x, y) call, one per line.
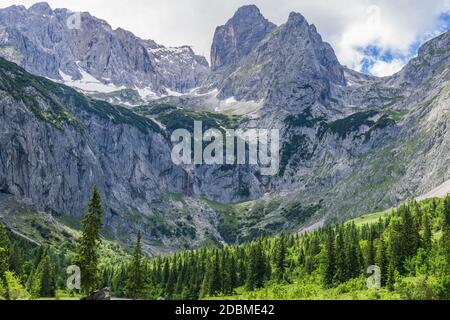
point(373, 36)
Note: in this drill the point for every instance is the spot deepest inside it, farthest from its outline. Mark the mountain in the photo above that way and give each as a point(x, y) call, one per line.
point(350, 143)
point(56, 144)
point(239, 36)
point(93, 57)
point(289, 57)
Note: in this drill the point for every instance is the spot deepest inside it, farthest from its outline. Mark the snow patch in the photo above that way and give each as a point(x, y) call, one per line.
point(146, 93)
point(173, 93)
point(88, 83)
point(230, 100)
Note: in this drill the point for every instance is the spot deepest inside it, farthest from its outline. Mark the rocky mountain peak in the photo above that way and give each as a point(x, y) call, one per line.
point(41, 8)
point(95, 58)
point(239, 36)
point(433, 60)
point(287, 58)
point(247, 11)
point(296, 19)
point(298, 27)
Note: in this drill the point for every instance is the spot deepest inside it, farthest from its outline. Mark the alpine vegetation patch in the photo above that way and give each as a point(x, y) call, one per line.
point(256, 147)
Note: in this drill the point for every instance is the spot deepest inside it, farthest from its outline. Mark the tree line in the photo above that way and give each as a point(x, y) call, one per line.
point(413, 240)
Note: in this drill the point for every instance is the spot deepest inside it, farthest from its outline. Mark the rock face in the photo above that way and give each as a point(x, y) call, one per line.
point(55, 144)
point(291, 58)
point(237, 38)
point(380, 140)
point(102, 294)
point(350, 143)
point(181, 69)
point(86, 53)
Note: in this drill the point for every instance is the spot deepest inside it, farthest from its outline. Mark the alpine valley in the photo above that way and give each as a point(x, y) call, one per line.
point(96, 106)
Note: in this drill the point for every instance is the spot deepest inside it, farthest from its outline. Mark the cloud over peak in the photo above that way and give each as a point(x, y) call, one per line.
point(395, 28)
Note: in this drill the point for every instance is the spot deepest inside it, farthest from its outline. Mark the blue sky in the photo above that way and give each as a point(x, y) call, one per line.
point(373, 36)
point(373, 53)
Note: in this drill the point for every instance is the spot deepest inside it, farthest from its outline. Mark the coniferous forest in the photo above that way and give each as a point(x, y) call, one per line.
point(402, 255)
point(224, 150)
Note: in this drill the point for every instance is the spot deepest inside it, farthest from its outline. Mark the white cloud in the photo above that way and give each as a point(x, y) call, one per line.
point(347, 25)
point(382, 68)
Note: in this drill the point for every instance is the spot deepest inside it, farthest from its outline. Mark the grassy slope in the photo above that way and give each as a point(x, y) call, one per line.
point(40, 228)
point(370, 218)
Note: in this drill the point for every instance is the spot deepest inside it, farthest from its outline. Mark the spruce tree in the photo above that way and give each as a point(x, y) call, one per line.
point(135, 282)
point(341, 273)
point(87, 258)
point(165, 273)
point(427, 233)
point(256, 270)
point(390, 278)
point(353, 252)
point(181, 281)
point(4, 258)
point(330, 263)
point(411, 237)
point(212, 282)
point(16, 259)
point(215, 285)
point(371, 249)
point(227, 287)
point(381, 261)
point(251, 272)
point(44, 279)
point(170, 285)
point(280, 258)
point(446, 232)
point(396, 245)
point(233, 273)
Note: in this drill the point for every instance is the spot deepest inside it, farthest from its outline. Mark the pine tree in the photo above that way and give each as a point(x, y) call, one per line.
point(427, 233)
point(87, 259)
point(341, 273)
point(381, 261)
point(410, 234)
point(371, 249)
point(251, 281)
point(353, 252)
point(280, 258)
point(229, 272)
point(170, 285)
point(395, 251)
point(44, 281)
point(404, 238)
point(330, 263)
point(233, 274)
point(4, 258)
point(214, 285)
point(135, 282)
point(446, 232)
point(241, 267)
point(181, 281)
point(256, 267)
point(165, 273)
point(390, 279)
point(16, 259)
